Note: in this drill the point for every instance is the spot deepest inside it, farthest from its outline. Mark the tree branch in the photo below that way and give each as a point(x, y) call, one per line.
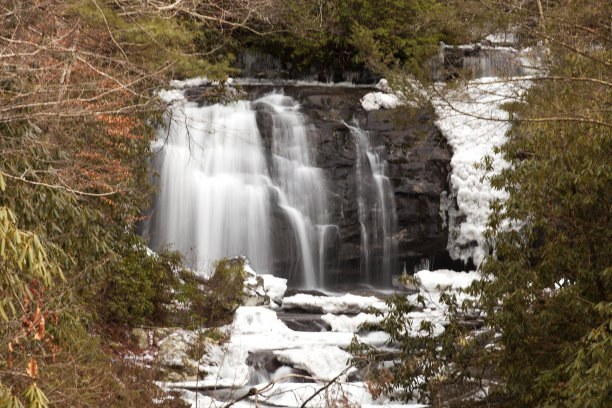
point(325, 387)
point(57, 187)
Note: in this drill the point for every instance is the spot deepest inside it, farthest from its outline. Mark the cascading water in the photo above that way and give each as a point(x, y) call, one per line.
point(376, 207)
point(300, 185)
point(216, 194)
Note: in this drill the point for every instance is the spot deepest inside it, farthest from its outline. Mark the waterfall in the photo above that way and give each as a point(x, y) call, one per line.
point(376, 207)
point(220, 186)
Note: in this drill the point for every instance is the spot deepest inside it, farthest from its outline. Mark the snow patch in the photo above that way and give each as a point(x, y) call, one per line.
point(433, 281)
point(189, 83)
point(275, 287)
point(344, 323)
point(380, 100)
point(322, 362)
point(348, 303)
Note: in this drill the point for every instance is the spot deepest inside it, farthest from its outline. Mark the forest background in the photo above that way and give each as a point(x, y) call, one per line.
point(77, 114)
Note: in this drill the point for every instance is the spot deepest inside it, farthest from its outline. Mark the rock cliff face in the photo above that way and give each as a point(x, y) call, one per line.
point(418, 163)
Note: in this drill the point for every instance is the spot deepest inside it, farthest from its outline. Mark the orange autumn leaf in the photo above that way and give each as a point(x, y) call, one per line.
point(32, 369)
point(37, 313)
point(10, 346)
point(40, 329)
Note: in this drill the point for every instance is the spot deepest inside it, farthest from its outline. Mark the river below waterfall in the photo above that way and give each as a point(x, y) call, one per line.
point(287, 353)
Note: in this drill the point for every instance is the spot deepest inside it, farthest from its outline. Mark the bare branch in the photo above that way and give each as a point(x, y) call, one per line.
point(325, 387)
point(108, 29)
point(578, 119)
point(57, 187)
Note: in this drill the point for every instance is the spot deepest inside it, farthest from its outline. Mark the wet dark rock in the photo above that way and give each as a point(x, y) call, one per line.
point(418, 167)
point(298, 320)
point(264, 66)
point(313, 292)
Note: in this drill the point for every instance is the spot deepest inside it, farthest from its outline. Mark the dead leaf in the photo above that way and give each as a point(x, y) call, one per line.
point(10, 346)
point(36, 314)
point(32, 368)
point(40, 329)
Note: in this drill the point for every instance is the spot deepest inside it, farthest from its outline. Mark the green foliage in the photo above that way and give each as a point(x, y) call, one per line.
point(224, 291)
point(141, 287)
point(427, 367)
point(356, 32)
point(25, 272)
point(553, 272)
point(223, 93)
point(548, 286)
point(24, 263)
point(156, 43)
point(216, 335)
point(35, 397)
point(209, 302)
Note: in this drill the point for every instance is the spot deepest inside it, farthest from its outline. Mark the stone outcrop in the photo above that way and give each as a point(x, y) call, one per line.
point(418, 160)
point(139, 338)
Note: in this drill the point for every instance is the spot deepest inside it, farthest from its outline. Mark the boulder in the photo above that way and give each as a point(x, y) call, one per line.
point(139, 338)
point(254, 293)
point(160, 333)
point(173, 350)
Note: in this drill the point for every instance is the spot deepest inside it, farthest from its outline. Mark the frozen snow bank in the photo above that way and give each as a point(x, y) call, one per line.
point(295, 394)
point(378, 100)
point(259, 329)
point(433, 281)
point(257, 320)
point(334, 304)
point(274, 287)
point(473, 122)
point(343, 323)
point(322, 362)
point(387, 98)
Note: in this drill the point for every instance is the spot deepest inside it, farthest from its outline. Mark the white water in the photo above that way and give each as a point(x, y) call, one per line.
point(377, 214)
point(216, 192)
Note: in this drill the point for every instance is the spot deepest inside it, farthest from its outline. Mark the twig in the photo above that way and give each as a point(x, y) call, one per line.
point(56, 187)
point(325, 387)
point(108, 29)
point(527, 120)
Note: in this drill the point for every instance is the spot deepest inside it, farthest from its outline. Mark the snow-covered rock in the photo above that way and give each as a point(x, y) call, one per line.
point(173, 349)
point(344, 323)
point(274, 287)
point(380, 100)
point(160, 333)
point(433, 281)
point(254, 293)
point(322, 362)
point(348, 303)
point(259, 290)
